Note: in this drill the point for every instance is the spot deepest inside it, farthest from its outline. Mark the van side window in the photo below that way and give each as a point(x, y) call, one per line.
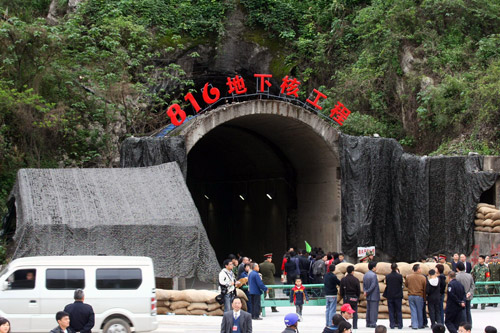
point(118, 278)
point(22, 279)
point(65, 279)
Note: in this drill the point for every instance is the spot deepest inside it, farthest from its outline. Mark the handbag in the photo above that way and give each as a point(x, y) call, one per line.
point(219, 299)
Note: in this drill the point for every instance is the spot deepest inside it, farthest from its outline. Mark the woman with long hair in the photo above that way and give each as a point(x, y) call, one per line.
point(4, 325)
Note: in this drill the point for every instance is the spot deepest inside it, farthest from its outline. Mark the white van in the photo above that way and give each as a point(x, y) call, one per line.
point(120, 289)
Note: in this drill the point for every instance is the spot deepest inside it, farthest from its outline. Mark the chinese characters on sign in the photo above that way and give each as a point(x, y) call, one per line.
point(236, 86)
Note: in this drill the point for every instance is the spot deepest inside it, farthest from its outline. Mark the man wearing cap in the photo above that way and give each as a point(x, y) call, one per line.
point(236, 320)
point(480, 272)
point(346, 312)
point(442, 259)
point(291, 322)
point(368, 257)
point(267, 269)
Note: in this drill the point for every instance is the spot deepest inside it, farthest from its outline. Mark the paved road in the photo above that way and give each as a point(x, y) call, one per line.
point(313, 322)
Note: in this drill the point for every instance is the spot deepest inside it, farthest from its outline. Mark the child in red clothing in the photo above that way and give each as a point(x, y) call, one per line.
point(298, 296)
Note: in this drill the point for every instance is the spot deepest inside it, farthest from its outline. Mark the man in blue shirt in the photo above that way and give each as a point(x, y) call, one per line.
point(256, 288)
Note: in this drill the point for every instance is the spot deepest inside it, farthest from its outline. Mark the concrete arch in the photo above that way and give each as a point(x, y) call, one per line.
point(266, 136)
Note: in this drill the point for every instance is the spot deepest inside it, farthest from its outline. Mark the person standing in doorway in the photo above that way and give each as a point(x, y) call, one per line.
point(81, 315)
point(256, 287)
point(372, 294)
point(394, 294)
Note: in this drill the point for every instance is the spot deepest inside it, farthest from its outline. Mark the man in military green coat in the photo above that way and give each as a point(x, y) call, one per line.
point(480, 272)
point(494, 267)
point(267, 269)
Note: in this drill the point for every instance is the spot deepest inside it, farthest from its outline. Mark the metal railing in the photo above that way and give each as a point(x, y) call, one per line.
point(486, 292)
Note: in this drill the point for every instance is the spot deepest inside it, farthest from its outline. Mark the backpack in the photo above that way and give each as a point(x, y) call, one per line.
point(316, 269)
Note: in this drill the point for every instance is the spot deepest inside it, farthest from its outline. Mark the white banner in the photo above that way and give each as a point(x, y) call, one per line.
point(362, 250)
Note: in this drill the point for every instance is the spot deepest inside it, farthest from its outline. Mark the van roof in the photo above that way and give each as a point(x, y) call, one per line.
point(82, 260)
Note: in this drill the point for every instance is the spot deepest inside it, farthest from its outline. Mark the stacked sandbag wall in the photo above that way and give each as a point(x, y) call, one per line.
point(383, 268)
point(487, 218)
point(192, 302)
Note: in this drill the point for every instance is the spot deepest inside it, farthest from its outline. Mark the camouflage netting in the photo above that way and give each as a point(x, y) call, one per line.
point(148, 151)
point(125, 211)
point(406, 205)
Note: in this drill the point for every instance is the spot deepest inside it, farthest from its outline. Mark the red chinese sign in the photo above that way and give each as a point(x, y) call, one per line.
point(236, 86)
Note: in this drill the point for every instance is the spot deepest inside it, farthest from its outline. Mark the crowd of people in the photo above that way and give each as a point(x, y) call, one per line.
point(425, 293)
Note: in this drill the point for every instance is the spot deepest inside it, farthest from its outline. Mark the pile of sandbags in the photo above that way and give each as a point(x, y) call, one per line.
point(487, 218)
point(192, 302)
point(383, 268)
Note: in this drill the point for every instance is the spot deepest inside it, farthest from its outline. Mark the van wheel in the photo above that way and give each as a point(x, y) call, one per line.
point(116, 325)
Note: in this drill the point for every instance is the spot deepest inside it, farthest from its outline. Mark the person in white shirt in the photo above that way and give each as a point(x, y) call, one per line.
point(227, 284)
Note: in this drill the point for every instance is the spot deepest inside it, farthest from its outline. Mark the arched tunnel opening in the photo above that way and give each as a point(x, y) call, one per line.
point(264, 183)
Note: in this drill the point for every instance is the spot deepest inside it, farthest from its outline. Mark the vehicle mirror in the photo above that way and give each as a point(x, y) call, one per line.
point(5, 285)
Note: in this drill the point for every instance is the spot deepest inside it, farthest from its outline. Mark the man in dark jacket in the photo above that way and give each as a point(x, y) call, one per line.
point(350, 291)
point(304, 265)
point(454, 304)
point(433, 297)
point(256, 288)
point(81, 315)
point(331, 283)
point(394, 294)
point(236, 320)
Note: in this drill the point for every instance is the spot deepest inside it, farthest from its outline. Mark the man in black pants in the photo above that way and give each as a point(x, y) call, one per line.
point(350, 291)
point(394, 294)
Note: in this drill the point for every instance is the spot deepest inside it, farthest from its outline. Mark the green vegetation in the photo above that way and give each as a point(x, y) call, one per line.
point(426, 72)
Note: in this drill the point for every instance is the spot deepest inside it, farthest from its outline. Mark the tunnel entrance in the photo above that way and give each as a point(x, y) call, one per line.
point(263, 183)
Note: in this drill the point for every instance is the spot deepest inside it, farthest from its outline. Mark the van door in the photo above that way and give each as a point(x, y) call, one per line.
point(20, 300)
point(57, 290)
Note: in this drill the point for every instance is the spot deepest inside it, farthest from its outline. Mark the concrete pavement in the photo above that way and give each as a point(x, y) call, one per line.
point(313, 321)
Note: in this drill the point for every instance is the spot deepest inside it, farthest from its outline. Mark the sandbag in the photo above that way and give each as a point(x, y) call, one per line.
point(198, 312)
point(479, 222)
point(361, 267)
point(480, 216)
point(199, 296)
point(340, 276)
point(496, 216)
point(381, 286)
point(406, 316)
point(163, 303)
point(496, 223)
point(431, 265)
point(380, 278)
point(486, 210)
point(217, 312)
point(487, 229)
point(162, 310)
point(197, 306)
point(176, 295)
point(241, 294)
point(179, 305)
point(181, 311)
point(487, 223)
point(405, 309)
point(244, 305)
point(383, 268)
point(496, 229)
point(383, 301)
point(483, 204)
point(342, 267)
point(358, 275)
point(214, 306)
point(363, 304)
point(478, 229)
point(383, 308)
point(361, 309)
point(404, 269)
point(383, 315)
point(162, 295)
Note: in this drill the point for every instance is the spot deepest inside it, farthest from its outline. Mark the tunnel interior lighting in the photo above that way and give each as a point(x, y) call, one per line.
point(269, 196)
point(242, 197)
point(206, 196)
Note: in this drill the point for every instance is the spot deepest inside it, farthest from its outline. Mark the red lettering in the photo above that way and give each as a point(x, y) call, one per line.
point(339, 113)
point(213, 91)
point(190, 98)
point(175, 111)
point(236, 84)
point(318, 96)
point(263, 80)
point(291, 86)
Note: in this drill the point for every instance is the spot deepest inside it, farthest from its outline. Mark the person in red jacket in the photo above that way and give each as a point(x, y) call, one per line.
point(297, 296)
